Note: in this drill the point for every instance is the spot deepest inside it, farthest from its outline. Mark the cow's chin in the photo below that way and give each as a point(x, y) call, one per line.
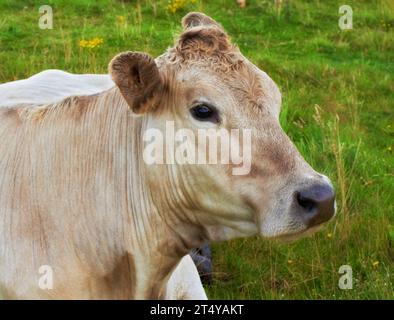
point(239, 230)
point(292, 235)
point(248, 229)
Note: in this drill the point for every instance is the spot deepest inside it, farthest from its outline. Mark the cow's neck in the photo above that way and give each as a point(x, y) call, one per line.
point(159, 242)
point(159, 236)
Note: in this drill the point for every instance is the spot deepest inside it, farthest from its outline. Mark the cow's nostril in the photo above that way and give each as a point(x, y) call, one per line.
point(316, 203)
point(306, 203)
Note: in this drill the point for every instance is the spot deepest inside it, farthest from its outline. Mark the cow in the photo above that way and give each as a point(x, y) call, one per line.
point(77, 195)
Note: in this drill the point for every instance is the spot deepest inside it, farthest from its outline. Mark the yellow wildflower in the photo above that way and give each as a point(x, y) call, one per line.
point(375, 264)
point(120, 19)
point(93, 43)
point(329, 235)
point(175, 5)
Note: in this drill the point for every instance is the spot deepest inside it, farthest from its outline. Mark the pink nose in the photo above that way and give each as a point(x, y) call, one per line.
point(317, 204)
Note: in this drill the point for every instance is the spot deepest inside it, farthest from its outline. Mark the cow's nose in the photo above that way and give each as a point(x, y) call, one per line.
point(317, 204)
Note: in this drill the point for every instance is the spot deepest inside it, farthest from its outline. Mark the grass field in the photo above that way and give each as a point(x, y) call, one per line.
point(338, 108)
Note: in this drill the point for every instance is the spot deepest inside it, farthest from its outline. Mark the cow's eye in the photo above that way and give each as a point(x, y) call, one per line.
point(204, 112)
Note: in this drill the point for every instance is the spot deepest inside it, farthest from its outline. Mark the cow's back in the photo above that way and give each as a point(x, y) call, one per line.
point(51, 86)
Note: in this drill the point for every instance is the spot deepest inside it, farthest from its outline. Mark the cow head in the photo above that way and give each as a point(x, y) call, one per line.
point(203, 83)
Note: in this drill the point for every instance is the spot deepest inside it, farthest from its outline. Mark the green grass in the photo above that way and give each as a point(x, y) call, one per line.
point(338, 108)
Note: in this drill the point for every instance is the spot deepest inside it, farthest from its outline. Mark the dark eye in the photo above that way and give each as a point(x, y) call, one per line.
point(203, 112)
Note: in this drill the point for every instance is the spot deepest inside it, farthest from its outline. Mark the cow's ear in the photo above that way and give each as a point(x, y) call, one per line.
point(138, 78)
